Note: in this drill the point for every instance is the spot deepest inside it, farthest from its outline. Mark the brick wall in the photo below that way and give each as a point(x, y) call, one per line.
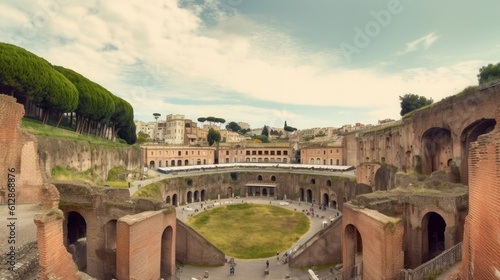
point(481, 245)
point(139, 246)
point(192, 248)
point(382, 243)
point(18, 151)
point(55, 262)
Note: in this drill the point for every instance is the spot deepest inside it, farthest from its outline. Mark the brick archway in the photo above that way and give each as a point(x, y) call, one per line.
point(167, 247)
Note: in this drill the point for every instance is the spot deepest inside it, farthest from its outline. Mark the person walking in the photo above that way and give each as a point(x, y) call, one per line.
point(267, 264)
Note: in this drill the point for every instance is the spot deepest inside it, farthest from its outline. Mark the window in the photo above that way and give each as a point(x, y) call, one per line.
point(247, 153)
point(272, 153)
point(227, 153)
point(285, 153)
point(179, 153)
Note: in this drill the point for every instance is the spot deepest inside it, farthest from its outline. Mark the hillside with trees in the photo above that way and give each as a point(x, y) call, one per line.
point(50, 93)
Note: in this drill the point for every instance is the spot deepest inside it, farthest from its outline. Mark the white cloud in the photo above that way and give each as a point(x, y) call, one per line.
point(165, 52)
point(420, 44)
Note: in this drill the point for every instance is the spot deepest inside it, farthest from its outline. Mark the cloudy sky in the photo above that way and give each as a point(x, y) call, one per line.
point(312, 63)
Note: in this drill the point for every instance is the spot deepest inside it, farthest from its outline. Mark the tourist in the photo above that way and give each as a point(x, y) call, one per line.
point(267, 264)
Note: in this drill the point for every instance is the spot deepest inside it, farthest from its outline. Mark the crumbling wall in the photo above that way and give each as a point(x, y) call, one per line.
point(82, 156)
point(481, 245)
point(19, 164)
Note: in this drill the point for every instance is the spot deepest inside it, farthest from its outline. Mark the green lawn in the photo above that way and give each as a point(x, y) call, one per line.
point(249, 231)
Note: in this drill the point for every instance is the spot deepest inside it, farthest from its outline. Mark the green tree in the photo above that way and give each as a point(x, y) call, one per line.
point(233, 126)
point(213, 136)
point(202, 119)
point(410, 102)
point(489, 73)
point(265, 131)
point(31, 78)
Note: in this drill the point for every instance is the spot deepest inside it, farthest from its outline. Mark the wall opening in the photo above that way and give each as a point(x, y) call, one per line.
point(166, 259)
point(189, 197)
point(433, 229)
point(168, 200)
point(326, 200)
point(174, 200)
point(196, 196)
point(301, 191)
point(77, 239)
point(152, 164)
point(353, 252)
point(309, 196)
point(469, 135)
point(110, 234)
point(203, 195)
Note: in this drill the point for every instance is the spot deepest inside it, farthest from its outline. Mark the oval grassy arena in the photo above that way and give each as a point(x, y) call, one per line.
point(249, 231)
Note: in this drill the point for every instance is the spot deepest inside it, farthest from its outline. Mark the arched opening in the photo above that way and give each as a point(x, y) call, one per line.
point(259, 178)
point(172, 163)
point(77, 239)
point(234, 176)
point(264, 192)
point(313, 181)
point(189, 197)
point(433, 229)
point(469, 135)
point(186, 162)
point(168, 199)
point(309, 195)
point(353, 263)
point(196, 196)
point(326, 200)
point(301, 191)
point(203, 195)
point(437, 148)
point(159, 163)
point(229, 192)
point(273, 178)
point(198, 162)
point(189, 182)
point(174, 200)
point(167, 266)
point(179, 162)
point(328, 183)
point(152, 164)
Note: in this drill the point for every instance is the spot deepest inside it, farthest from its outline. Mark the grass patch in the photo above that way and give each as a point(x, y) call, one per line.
point(34, 126)
point(65, 174)
point(151, 190)
point(249, 231)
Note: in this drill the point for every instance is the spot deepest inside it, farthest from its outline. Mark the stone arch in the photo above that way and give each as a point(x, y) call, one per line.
point(437, 147)
point(189, 182)
point(309, 197)
point(172, 163)
point(433, 235)
point(152, 164)
point(175, 201)
point(259, 178)
point(196, 196)
point(353, 252)
point(76, 240)
point(264, 192)
point(186, 162)
point(179, 162)
point(229, 192)
point(469, 135)
point(333, 201)
point(189, 197)
point(203, 195)
point(273, 178)
point(159, 163)
point(328, 183)
point(167, 260)
point(326, 199)
point(168, 199)
point(312, 181)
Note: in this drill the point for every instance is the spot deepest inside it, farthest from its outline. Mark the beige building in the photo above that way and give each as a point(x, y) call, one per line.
point(163, 156)
point(255, 153)
point(174, 134)
point(323, 154)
